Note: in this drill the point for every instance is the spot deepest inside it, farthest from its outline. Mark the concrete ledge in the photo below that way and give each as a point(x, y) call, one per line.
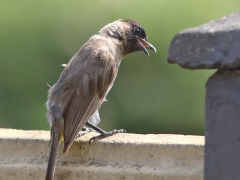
point(24, 155)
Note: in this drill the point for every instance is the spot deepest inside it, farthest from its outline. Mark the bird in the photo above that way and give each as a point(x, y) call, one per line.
point(73, 101)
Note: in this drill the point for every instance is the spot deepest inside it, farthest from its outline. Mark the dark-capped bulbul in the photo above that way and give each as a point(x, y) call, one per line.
point(74, 100)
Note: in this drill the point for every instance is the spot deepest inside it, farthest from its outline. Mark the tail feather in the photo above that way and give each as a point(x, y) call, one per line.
point(52, 158)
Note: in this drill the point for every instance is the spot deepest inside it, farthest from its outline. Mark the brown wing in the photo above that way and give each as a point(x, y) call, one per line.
point(85, 90)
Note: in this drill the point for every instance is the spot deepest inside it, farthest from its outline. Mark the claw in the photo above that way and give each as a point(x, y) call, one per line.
point(106, 134)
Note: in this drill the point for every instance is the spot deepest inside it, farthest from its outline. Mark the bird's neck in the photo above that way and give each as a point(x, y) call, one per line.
point(116, 48)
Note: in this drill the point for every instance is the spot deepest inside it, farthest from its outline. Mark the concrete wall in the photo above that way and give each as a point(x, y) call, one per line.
point(24, 155)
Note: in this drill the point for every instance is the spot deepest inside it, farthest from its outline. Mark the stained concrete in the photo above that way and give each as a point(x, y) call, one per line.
point(24, 155)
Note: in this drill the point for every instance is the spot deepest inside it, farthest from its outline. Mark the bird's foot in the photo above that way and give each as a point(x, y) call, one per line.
point(106, 134)
point(84, 131)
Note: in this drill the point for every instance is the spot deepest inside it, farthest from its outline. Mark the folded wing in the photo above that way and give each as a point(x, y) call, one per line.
point(85, 90)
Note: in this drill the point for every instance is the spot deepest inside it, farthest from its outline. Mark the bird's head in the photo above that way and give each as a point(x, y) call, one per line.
point(130, 34)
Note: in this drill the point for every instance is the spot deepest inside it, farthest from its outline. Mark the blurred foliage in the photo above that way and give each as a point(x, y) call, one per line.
point(149, 96)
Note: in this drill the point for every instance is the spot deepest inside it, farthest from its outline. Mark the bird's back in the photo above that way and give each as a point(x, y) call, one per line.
point(83, 85)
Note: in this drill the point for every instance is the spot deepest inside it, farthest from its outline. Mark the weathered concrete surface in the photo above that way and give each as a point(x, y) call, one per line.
point(214, 45)
point(222, 150)
point(24, 155)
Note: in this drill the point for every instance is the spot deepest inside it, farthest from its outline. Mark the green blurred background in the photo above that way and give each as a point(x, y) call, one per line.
point(149, 96)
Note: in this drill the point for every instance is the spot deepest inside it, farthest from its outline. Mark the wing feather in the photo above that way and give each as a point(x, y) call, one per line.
point(85, 91)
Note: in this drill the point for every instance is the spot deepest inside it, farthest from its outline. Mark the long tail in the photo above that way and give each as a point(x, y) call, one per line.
point(53, 157)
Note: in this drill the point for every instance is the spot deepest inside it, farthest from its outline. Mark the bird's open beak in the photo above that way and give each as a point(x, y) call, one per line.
point(144, 45)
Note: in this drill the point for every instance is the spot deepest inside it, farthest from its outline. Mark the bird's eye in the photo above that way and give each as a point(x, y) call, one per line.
point(137, 30)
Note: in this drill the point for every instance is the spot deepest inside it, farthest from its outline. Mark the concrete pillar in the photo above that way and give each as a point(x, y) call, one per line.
point(216, 45)
point(222, 150)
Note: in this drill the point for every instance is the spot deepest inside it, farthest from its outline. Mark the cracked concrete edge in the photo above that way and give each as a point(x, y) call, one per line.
point(24, 155)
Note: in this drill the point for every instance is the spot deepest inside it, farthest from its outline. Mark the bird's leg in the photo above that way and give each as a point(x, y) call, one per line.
point(102, 132)
point(84, 131)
